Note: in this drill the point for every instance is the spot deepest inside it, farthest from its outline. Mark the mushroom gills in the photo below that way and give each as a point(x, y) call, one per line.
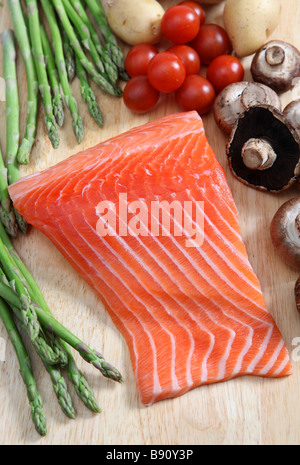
point(258, 154)
point(264, 149)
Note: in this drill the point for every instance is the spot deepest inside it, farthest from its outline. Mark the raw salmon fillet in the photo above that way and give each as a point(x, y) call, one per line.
point(191, 313)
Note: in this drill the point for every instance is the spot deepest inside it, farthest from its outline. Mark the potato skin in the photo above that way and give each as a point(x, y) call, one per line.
point(248, 24)
point(134, 24)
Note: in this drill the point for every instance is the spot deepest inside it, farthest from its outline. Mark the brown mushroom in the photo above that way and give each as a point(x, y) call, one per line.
point(238, 97)
point(285, 232)
point(297, 294)
point(276, 64)
point(292, 112)
point(264, 149)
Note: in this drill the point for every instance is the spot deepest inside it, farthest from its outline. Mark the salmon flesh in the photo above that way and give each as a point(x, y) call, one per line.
point(148, 220)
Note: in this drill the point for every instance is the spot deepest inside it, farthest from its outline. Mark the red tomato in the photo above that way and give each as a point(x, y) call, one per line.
point(180, 24)
point(198, 8)
point(225, 70)
point(138, 59)
point(196, 93)
point(166, 72)
point(189, 56)
point(139, 96)
point(211, 41)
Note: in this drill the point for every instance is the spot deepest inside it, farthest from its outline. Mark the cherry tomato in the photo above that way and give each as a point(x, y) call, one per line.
point(211, 41)
point(196, 93)
point(180, 24)
point(198, 8)
point(189, 56)
point(139, 96)
point(166, 72)
point(225, 70)
point(138, 59)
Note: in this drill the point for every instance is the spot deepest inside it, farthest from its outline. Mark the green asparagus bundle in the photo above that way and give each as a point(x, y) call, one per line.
point(99, 78)
point(62, 71)
point(13, 266)
point(48, 321)
point(76, 32)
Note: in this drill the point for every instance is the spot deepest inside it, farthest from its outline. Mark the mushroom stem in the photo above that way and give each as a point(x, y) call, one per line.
point(275, 55)
point(258, 154)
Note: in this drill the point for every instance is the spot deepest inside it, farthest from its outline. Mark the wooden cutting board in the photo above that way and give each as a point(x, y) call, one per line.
point(242, 411)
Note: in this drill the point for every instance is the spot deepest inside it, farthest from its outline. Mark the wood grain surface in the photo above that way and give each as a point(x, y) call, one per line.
point(247, 410)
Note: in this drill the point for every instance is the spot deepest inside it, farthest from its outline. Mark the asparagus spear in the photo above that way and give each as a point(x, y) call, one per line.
point(69, 57)
point(110, 67)
point(86, 63)
point(12, 114)
point(88, 95)
point(62, 72)
point(7, 214)
point(34, 397)
point(32, 82)
point(39, 59)
point(61, 391)
point(12, 105)
point(110, 40)
point(50, 323)
point(80, 384)
point(58, 103)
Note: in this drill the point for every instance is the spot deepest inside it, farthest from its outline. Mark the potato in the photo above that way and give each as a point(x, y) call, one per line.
point(135, 22)
point(249, 23)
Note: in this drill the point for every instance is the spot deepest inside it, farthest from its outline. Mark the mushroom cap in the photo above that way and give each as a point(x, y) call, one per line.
point(232, 101)
point(267, 123)
point(276, 64)
point(292, 112)
point(285, 234)
point(228, 106)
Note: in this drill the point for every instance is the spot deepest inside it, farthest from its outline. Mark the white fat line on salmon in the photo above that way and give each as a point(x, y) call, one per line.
point(138, 220)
